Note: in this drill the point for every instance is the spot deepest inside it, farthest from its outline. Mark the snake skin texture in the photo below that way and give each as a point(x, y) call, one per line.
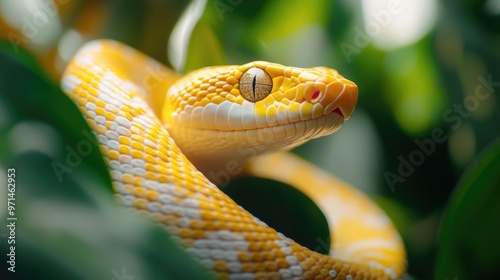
point(121, 91)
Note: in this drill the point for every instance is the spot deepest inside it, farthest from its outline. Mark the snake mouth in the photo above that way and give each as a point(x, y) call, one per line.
point(290, 132)
point(331, 115)
point(240, 144)
point(339, 112)
point(344, 103)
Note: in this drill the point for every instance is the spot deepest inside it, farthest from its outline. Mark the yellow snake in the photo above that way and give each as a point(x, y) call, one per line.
point(157, 132)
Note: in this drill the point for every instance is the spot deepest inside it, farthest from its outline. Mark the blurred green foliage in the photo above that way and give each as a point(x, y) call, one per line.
point(467, 246)
point(444, 81)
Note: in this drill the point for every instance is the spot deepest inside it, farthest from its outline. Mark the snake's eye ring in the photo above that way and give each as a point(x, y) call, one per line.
point(255, 84)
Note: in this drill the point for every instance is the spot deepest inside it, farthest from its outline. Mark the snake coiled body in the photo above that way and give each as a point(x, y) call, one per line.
point(219, 116)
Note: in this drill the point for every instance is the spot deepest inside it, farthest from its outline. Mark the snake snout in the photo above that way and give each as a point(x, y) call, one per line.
point(344, 101)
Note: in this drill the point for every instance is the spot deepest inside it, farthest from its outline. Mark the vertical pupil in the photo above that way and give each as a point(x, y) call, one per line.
point(254, 82)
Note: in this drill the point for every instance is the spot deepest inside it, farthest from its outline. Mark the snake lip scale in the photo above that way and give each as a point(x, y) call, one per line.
point(334, 117)
point(158, 142)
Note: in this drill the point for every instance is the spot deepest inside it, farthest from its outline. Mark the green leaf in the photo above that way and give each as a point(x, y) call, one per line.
point(31, 96)
point(413, 91)
point(283, 208)
point(193, 43)
point(9, 48)
point(74, 230)
point(280, 18)
point(144, 25)
point(204, 48)
point(468, 245)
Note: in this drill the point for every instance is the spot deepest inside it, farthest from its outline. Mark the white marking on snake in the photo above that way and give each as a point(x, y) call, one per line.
point(112, 135)
point(123, 167)
point(138, 163)
point(115, 165)
point(90, 106)
point(123, 122)
point(125, 159)
point(138, 171)
point(113, 144)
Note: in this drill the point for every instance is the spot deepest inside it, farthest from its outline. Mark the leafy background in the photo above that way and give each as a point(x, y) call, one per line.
point(415, 69)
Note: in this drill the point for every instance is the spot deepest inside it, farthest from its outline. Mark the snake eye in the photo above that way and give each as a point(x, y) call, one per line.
point(255, 84)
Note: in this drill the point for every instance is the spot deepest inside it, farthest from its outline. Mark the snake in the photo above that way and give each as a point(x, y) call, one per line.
point(170, 141)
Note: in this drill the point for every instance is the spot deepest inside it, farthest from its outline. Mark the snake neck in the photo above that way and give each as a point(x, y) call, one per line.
point(223, 155)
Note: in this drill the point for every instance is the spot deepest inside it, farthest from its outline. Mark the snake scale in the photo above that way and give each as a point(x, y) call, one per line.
point(159, 133)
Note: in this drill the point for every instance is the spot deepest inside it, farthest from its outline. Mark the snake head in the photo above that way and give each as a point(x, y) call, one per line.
point(232, 108)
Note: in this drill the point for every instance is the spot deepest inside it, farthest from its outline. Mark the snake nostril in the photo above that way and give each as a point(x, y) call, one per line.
point(315, 94)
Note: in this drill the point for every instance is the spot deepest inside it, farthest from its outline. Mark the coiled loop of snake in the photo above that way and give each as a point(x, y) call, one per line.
point(216, 115)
